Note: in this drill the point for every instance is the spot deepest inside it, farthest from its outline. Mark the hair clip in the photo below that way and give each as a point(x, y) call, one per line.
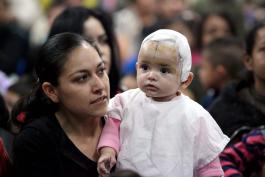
point(21, 117)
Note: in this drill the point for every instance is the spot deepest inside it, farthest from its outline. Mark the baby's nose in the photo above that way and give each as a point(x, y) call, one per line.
point(152, 75)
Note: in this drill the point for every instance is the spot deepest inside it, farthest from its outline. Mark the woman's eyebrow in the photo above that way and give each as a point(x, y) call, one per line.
point(78, 72)
point(100, 64)
point(86, 70)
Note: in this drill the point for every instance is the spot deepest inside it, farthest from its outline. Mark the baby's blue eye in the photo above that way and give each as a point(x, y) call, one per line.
point(164, 70)
point(144, 67)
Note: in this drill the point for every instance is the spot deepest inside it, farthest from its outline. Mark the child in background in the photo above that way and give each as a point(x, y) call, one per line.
point(222, 62)
point(155, 130)
point(213, 25)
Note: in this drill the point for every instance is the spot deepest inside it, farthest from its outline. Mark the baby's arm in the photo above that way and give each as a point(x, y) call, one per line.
point(108, 146)
point(106, 161)
point(212, 169)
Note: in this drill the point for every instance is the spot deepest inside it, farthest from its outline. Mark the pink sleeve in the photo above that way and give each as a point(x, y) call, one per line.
point(110, 135)
point(213, 168)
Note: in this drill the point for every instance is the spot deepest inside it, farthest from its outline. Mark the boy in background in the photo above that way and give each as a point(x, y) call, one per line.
point(222, 61)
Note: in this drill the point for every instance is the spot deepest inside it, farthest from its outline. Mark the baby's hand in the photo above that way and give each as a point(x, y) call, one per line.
point(106, 161)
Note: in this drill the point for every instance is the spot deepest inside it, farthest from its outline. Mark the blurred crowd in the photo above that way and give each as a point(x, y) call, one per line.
point(223, 53)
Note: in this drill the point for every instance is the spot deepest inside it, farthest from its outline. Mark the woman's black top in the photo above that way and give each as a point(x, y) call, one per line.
point(42, 149)
point(238, 106)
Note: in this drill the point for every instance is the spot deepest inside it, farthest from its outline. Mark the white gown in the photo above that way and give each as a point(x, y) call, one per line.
point(165, 139)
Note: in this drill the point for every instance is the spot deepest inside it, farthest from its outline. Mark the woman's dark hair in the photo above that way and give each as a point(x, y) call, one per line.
point(251, 37)
point(205, 17)
point(72, 19)
point(248, 77)
point(52, 57)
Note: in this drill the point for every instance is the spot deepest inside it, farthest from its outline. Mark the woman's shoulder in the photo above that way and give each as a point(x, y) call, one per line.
point(44, 124)
point(39, 131)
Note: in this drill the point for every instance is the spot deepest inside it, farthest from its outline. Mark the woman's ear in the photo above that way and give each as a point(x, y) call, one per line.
point(248, 62)
point(50, 91)
point(186, 83)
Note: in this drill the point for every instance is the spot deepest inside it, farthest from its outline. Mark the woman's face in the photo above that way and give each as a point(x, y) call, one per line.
point(257, 61)
point(83, 89)
point(214, 27)
point(94, 30)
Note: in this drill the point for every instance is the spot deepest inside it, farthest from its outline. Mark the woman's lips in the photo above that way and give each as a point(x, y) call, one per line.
point(99, 100)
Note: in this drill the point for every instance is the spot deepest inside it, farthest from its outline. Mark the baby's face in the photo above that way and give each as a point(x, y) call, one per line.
point(158, 70)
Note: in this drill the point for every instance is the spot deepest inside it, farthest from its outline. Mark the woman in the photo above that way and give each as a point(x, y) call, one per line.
point(215, 25)
point(94, 25)
point(243, 104)
point(63, 116)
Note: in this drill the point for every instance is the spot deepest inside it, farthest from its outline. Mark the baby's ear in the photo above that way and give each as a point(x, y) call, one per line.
point(136, 65)
point(188, 81)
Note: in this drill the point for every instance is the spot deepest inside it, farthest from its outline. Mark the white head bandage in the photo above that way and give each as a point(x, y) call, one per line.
point(181, 44)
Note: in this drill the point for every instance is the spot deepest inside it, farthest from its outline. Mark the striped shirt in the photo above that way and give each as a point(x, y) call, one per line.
point(245, 157)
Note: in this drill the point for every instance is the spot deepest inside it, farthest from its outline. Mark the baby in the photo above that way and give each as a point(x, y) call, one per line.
point(156, 130)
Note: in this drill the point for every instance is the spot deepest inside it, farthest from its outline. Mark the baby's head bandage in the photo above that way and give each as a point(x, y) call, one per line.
point(181, 44)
